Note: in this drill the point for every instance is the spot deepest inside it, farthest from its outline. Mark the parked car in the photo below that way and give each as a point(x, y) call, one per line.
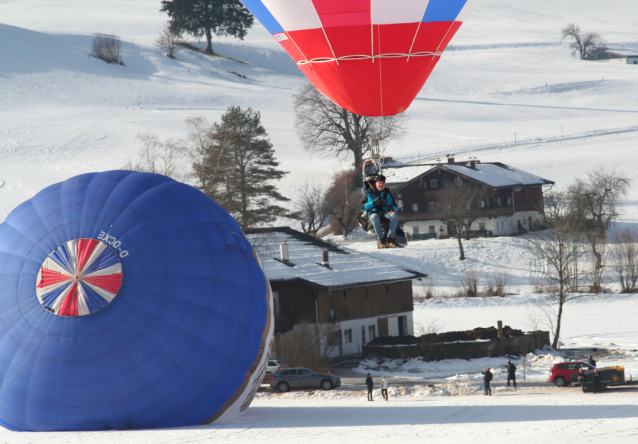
point(560, 374)
point(274, 365)
point(302, 378)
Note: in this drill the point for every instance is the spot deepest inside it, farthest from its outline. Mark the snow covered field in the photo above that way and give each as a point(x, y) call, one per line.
point(506, 74)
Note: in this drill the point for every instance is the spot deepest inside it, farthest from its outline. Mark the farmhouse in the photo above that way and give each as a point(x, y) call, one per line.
point(621, 57)
point(515, 205)
point(315, 281)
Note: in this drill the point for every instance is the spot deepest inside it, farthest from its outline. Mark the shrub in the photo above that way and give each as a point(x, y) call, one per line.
point(107, 48)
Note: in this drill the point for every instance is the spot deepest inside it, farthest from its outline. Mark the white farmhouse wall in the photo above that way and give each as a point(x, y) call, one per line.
point(356, 346)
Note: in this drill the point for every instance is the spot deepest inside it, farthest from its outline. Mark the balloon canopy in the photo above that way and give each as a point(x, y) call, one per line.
point(371, 57)
point(128, 300)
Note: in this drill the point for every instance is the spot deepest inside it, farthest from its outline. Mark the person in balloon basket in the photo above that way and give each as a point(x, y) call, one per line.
point(379, 203)
point(487, 378)
point(370, 385)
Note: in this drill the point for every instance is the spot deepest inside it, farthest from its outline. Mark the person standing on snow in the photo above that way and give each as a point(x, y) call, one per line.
point(370, 385)
point(487, 378)
point(591, 361)
point(378, 202)
point(597, 380)
point(384, 388)
point(511, 373)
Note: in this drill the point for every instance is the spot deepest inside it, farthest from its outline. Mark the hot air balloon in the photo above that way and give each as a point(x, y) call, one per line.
point(371, 57)
point(128, 300)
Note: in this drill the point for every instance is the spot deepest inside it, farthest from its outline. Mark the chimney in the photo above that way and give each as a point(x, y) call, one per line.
point(450, 160)
point(324, 257)
point(283, 249)
point(473, 164)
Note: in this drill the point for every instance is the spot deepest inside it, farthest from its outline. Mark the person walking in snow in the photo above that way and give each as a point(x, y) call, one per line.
point(511, 373)
point(487, 378)
point(384, 388)
point(378, 203)
point(370, 385)
point(591, 361)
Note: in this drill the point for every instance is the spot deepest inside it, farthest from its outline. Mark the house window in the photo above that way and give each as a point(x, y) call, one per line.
point(415, 229)
point(275, 301)
point(499, 203)
point(372, 331)
point(431, 229)
point(433, 183)
point(458, 181)
point(430, 206)
point(421, 182)
point(509, 201)
point(363, 334)
point(348, 335)
point(482, 226)
point(415, 207)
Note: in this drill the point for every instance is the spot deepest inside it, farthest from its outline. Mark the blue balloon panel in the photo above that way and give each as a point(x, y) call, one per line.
point(127, 300)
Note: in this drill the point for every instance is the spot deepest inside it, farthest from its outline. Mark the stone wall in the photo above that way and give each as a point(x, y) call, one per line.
point(514, 345)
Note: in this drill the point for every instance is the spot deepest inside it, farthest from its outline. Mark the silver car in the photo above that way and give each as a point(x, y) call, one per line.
point(288, 379)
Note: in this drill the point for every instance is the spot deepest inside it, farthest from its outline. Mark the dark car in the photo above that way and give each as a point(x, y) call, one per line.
point(288, 379)
point(560, 374)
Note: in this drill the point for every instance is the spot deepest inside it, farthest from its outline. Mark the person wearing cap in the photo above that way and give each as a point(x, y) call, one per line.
point(378, 203)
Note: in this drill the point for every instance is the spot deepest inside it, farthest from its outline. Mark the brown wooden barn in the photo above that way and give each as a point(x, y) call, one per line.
point(316, 281)
point(516, 203)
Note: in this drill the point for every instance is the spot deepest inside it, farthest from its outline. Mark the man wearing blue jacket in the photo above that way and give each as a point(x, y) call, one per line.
point(378, 202)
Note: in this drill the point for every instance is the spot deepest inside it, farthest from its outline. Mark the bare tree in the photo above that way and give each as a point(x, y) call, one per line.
point(624, 258)
point(324, 127)
point(584, 45)
point(308, 345)
point(595, 200)
point(168, 158)
point(558, 248)
point(342, 202)
point(312, 209)
point(107, 48)
point(461, 206)
point(170, 37)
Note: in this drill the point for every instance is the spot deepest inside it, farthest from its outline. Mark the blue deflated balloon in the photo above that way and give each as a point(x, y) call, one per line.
point(128, 300)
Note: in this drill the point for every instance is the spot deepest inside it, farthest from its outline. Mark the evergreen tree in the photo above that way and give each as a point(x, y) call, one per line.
point(236, 167)
point(208, 17)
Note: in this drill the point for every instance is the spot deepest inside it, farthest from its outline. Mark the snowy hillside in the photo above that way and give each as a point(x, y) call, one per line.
point(505, 72)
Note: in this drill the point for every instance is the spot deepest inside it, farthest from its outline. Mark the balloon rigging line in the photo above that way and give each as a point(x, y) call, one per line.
point(417, 30)
point(380, 71)
point(364, 57)
point(372, 33)
point(324, 32)
point(25, 359)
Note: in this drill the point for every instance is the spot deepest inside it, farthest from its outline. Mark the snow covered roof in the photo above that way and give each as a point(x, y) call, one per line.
point(496, 175)
point(347, 267)
point(396, 176)
point(623, 53)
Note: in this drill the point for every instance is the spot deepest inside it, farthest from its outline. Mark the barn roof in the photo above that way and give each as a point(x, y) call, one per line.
point(347, 268)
